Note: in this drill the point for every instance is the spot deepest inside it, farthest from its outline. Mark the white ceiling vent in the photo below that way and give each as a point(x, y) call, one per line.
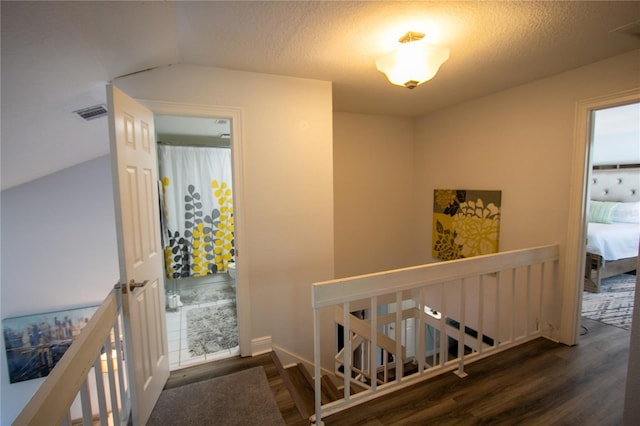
point(90, 113)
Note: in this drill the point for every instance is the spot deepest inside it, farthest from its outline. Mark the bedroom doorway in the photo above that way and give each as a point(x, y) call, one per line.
point(612, 215)
point(196, 189)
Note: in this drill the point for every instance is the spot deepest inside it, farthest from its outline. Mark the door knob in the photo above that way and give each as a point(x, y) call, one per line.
point(131, 286)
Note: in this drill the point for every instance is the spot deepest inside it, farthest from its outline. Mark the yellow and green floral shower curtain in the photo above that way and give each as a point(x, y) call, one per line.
point(197, 205)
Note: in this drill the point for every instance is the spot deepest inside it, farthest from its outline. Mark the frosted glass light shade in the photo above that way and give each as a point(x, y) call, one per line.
point(412, 63)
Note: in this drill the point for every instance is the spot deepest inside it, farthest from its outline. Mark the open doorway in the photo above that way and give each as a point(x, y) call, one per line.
point(195, 173)
point(613, 215)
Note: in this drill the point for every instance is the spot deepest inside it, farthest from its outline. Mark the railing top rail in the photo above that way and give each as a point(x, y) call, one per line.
point(329, 293)
point(53, 398)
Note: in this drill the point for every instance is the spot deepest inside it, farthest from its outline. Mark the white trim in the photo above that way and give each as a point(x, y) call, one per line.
point(289, 359)
point(342, 290)
point(242, 263)
point(261, 345)
point(575, 250)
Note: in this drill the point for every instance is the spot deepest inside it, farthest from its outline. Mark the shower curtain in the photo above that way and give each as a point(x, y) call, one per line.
point(197, 210)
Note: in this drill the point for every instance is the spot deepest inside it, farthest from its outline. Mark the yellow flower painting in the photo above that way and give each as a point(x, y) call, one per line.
point(466, 223)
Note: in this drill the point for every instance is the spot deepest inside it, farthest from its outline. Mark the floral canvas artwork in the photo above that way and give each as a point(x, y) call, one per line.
point(466, 223)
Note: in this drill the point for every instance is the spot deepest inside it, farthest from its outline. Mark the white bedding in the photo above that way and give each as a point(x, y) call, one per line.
point(613, 241)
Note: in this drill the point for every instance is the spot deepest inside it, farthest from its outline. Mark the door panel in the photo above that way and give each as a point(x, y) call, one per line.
point(134, 165)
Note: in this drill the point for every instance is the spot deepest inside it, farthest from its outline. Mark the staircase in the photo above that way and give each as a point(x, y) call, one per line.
point(300, 385)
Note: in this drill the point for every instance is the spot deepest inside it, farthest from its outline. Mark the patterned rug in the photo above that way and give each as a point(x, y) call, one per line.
point(212, 329)
point(206, 293)
point(614, 304)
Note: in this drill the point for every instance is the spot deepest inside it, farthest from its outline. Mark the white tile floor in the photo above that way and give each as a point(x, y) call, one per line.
point(179, 356)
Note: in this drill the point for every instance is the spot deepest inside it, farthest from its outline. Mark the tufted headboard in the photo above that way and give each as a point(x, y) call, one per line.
point(619, 184)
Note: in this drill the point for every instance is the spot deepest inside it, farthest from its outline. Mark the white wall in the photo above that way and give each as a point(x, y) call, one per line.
point(373, 193)
point(58, 233)
point(288, 185)
point(519, 141)
point(58, 251)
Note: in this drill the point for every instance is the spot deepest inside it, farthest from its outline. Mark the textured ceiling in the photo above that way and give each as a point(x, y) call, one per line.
point(57, 56)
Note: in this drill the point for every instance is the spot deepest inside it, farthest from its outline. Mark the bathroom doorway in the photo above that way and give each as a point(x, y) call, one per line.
point(196, 189)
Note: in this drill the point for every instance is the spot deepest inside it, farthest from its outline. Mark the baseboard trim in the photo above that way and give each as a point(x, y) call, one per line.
point(261, 345)
point(289, 359)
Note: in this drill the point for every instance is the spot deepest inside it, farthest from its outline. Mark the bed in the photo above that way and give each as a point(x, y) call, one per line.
point(613, 228)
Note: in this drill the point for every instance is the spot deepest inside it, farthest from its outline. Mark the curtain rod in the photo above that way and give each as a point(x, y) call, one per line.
point(193, 145)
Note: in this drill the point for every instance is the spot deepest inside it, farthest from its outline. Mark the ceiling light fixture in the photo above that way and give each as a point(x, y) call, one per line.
point(413, 62)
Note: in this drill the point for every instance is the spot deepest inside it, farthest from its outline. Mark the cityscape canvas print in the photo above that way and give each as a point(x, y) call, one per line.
point(466, 223)
point(35, 343)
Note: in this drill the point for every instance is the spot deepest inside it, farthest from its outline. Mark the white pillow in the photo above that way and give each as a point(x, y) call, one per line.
point(626, 213)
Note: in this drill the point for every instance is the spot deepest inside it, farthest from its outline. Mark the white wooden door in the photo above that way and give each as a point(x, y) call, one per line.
point(134, 168)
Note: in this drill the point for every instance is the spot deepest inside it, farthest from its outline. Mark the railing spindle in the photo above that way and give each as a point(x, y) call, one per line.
point(541, 309)
point(347, 351)
point(461, 330)
point(481, 315)
point(373, 361)
point(100, 395)
point(497, 340)
point(317, 366)
point(444, 352)
point(113, 390)
point(398, 336)
point(514, 277)
point(85, 398)
point(528, 304)
point(420, 330)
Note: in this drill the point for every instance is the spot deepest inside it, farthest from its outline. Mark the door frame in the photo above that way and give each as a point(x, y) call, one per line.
point(234, 114)
point(575, 250)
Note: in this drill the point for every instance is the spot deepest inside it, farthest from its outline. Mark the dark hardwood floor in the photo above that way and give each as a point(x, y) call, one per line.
point(538, 383)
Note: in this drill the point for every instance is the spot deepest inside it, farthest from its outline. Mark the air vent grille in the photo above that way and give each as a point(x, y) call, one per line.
point(93, 112)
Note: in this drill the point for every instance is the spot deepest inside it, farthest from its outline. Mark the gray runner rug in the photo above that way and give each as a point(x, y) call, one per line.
point(242, 399)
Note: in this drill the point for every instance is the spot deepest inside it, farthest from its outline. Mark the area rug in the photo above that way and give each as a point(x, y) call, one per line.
point(242, 399)
point(614, 304)
point(212, 328)
point(206, 293)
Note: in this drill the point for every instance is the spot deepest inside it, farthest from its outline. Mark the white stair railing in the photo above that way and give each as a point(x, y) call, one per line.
point(419, 322)
point(88, 385)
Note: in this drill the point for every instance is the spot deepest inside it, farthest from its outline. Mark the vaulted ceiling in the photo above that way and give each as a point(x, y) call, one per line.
point(58, 56)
